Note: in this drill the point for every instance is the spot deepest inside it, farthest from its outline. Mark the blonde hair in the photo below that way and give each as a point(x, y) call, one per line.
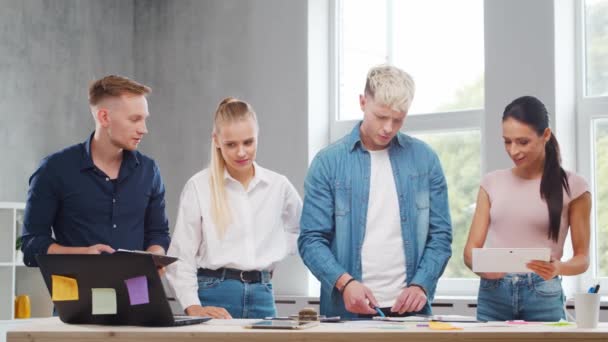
point(229, 110)
point(390, 86)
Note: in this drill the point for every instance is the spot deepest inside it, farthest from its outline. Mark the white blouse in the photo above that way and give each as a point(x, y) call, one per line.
point(264, 229)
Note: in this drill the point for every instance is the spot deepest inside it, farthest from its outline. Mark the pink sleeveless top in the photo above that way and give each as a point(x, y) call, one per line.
point(519, 217)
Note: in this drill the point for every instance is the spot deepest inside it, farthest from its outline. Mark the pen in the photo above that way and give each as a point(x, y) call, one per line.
point(591, 289)
point(596, 289)
point(380, 313)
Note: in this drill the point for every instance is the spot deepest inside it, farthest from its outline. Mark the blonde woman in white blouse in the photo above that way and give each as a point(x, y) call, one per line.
point(236, 221)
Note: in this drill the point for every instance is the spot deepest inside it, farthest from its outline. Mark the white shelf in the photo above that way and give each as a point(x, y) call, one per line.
point(12, 205)
point(15, 278)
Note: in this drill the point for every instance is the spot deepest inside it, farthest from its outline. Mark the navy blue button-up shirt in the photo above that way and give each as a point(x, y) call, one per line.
point(70, 197)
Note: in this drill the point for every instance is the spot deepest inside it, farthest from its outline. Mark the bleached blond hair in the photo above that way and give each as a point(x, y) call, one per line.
point(390, 86)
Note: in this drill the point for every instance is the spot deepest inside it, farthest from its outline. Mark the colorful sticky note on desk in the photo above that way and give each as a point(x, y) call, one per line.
point(104, 301)
point(560, 324)
point(138, 290)
point(442, 326)
point(64, 288)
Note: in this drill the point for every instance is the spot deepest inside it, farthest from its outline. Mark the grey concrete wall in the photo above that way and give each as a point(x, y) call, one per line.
point(519, 60)
point(49, 52)
point(193, 54)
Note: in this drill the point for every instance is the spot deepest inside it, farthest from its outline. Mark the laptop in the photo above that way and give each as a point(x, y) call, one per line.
point(130, 275)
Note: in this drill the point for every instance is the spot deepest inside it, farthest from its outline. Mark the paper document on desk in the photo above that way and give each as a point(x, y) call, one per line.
point(508, 260)
point(427, 318)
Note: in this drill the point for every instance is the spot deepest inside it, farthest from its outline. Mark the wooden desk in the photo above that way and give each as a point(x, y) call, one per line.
point(51, 329)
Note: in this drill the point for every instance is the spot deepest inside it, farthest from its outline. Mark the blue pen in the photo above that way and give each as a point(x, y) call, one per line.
point(380, 313)
point(591, 289)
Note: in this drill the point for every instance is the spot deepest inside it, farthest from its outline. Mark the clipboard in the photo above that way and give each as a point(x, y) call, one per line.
point(159, 260)
point(508, 260)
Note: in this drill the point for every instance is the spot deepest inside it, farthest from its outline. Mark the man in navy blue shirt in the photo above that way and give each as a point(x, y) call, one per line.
point(102, 194)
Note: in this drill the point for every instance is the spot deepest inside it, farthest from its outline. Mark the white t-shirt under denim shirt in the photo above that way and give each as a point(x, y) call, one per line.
point(264, 229)
point(382, 254)
point(519, 217)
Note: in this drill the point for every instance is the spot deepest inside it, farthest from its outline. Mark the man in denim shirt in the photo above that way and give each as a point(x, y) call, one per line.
point(102, 194)
point(375, 227)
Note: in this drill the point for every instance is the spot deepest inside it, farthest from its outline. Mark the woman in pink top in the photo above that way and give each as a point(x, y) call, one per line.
point(531, 205)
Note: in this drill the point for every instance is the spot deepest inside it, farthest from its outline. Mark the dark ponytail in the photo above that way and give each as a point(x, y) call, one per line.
point(531, 111)
point(554, 180)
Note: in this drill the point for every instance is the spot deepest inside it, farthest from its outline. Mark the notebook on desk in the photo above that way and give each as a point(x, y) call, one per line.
point(112, 289)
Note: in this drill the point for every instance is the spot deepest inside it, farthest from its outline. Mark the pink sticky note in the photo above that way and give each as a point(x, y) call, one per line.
point(138, 290)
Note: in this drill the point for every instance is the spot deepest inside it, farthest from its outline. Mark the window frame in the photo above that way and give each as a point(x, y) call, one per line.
point(589, 109)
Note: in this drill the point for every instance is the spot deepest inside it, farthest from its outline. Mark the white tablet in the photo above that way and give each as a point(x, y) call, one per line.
point(509, 260)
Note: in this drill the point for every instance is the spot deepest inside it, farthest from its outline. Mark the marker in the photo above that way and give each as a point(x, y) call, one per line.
point(380, 313)
point(596, 289)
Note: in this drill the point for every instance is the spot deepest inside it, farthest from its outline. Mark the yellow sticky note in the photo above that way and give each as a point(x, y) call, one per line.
point(442, 326)
point(104, 301)
point(64, 288)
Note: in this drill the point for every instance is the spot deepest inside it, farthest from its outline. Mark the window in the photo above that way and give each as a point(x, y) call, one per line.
point(442, 50)
point(441, 44)
point(436, 41)
point(596, 36)
point(601, 193)
point(459, 153)
point(593, 128)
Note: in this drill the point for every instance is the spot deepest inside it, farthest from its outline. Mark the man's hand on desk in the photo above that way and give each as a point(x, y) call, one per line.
point(207, 311)
point(411, 299)
point(357, 297)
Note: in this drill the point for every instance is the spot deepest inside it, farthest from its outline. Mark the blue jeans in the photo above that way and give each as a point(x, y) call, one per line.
point(241, 300)
point(521, 297)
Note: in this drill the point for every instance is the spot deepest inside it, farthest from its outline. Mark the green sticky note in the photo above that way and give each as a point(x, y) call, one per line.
point(559, 324)
point(104, 301)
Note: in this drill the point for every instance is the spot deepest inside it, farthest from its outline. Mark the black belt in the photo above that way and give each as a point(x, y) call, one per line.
point(231, 273)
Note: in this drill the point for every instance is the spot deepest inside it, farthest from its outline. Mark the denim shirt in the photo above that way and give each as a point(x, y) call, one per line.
point(336, 195)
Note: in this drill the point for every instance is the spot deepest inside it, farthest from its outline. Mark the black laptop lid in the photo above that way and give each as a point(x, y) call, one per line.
point(108, 271)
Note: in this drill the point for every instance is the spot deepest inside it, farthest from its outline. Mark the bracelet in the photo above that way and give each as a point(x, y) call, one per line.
point(345, 285)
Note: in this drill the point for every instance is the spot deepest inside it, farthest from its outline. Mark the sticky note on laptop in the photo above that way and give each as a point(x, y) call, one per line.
point(138, 290)
point(64, 288)
point(104, 301)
